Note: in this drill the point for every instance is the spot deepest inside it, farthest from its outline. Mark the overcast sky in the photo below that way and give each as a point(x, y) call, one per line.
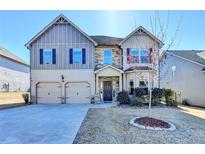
point(18, 27)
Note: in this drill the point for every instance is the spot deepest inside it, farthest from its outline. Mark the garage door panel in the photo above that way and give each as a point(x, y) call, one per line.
point(49, 93)
point(78, 92)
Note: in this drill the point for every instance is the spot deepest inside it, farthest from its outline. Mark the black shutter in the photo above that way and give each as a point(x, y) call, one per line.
point(54, 56)
point(84, 56)
point(71, 55)
point(41, 56)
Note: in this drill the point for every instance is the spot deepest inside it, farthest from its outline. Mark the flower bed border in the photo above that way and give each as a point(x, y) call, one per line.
point(132, 122)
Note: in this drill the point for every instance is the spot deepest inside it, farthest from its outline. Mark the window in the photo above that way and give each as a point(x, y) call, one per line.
point(108, 57)
point(142, 84)
point(47, 56)
point(131, 87)
point(77, 56)
point(134, 56)
point(144, 56)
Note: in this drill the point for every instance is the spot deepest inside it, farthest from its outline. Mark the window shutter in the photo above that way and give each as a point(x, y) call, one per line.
point(54, 56)
point(84, 56)
point(128, 55)
point(71, 55)
point(41, 56)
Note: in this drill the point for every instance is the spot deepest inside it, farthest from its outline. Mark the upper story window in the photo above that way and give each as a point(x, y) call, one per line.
point(77, 56)
point(47, 56)
point(108, 57)
point(144, 56)
point(137, 56)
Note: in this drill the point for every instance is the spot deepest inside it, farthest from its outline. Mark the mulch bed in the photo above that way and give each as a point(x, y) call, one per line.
point(152, 122)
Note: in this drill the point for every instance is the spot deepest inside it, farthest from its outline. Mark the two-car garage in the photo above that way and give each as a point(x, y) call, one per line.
point(54, 92)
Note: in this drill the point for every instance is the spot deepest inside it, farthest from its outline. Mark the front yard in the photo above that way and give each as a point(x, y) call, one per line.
point(111, 126)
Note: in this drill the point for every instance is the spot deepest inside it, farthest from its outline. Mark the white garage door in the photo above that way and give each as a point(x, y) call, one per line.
point(77, 92)
point(48, 92)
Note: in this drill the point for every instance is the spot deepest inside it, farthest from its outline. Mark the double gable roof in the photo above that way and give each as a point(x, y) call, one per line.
point(96, 40)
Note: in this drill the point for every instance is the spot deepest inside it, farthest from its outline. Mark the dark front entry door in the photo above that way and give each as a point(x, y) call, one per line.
point(107, 90)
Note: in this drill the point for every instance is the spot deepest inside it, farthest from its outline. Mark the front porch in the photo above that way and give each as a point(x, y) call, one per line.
point(108, 83)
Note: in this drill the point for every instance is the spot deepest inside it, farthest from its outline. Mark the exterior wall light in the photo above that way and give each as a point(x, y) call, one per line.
point(62, 78)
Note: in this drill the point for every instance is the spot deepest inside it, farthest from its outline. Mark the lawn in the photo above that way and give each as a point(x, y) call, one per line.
point(111, 126)
point(11, 99)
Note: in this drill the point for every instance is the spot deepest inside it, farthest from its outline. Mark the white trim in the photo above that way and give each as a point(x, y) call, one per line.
point(28, 44)
point(185, 58)
point(97, 71)
point(147, 32)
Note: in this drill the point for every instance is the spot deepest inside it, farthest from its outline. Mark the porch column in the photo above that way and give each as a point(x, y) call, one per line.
point(125, 81)
point(120, 82)
point(97, 85)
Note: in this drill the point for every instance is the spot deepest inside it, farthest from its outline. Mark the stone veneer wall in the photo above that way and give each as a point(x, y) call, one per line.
point(116, 56)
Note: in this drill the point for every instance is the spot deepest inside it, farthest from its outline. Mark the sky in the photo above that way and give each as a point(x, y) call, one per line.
point(187, 28)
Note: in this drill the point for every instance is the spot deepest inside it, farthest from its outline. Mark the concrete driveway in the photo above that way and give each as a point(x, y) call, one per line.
point(57, 123)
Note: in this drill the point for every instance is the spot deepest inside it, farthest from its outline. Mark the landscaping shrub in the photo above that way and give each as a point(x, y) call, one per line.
point(155, 102)
point(139, 92)
point(168, 94)
point(123, 97)
point(137, 101)
point(26, 98)
point(172, 103)
point(157, 93)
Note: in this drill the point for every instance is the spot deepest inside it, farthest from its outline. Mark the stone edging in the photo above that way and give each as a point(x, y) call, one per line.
point(131, 122)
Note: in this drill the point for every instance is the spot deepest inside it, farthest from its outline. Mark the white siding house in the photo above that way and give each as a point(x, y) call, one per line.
point(14, 72)
point(184, 72)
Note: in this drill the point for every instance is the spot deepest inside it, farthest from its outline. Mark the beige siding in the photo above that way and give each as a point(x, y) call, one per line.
point(138, 42)
point(188, 80)
point(62, 37)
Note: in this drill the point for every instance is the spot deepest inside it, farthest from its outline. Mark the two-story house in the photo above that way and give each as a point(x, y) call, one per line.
point(69, 66)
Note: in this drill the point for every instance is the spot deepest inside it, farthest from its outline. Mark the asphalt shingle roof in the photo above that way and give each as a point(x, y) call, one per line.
point(138, 68)
point(189, 54)
point(106, 40)
point(7, 54)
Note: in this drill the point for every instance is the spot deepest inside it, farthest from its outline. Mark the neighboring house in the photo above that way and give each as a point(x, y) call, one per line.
point(69, 66)
point(14, 72)
point(184, 72)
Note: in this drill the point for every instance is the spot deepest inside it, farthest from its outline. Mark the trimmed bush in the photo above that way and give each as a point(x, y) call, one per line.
point(139, 92)
point(168, 94)
point(26, 98)
point(157, 93)
point(155, 102)
point(123, 97)
point(172, 103)
point(137, 101)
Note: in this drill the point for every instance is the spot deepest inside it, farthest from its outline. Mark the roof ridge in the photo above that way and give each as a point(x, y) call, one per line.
point(11, 55)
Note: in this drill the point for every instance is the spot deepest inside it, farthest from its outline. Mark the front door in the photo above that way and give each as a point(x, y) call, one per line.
point(107, 90)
